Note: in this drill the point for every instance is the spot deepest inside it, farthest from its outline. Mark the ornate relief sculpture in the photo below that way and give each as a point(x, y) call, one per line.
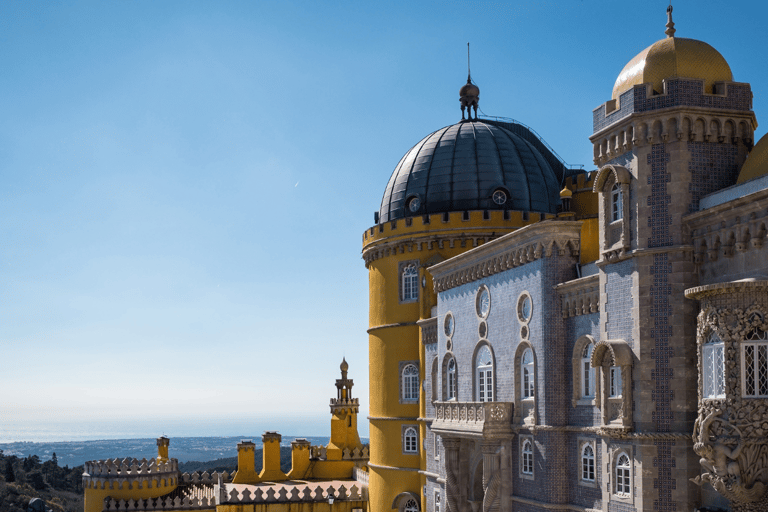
point(731, 433)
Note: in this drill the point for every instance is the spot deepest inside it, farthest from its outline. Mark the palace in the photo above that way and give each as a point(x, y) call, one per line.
point(542, 338)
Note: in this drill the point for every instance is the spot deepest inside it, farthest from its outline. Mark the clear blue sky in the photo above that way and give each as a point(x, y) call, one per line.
point(184, 185)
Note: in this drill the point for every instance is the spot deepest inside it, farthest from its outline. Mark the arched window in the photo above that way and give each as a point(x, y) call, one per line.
point(587, 372)
point(410, 379)
point(617, 208)
point(588, 463)
point(484, 375)
point(434, 379)
point(623, 481)
point(451, 376)
point(409, 282)
point(410, 440)
point(527, 374)
point(526, 457)
point(713, 367)
point(411, 506)
point(754, 354)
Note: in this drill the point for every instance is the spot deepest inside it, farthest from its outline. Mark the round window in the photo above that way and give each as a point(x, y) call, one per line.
point(414, 203)
point(524, 307)
point(499, 197)
point(448, 325)
point(483, 302)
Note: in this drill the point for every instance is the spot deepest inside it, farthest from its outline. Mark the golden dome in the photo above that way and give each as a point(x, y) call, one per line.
point(674, 57)
point(756, 164)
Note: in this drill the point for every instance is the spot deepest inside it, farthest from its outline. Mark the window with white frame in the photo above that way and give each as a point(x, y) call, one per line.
point(409, 282)
point(588, 462)
point(617, 208)
point(451, 377)
point(436, 439)
point(484, 374)
point(754, 357)
point(411, 506)
point(410, 440)
point(623, 475)
point(437, 501)
point(527, 374)
point(410, 383)
point(587, 372)
point(614, 374)
point(713, 367)
point(526, 457)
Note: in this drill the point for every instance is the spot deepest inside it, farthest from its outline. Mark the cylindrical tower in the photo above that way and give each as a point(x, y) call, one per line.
point(459, 187)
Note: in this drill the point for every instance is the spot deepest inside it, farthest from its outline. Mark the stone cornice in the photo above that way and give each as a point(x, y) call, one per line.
point(429, 240)
point(509, 251)
point(742, 286)
point(580, 296)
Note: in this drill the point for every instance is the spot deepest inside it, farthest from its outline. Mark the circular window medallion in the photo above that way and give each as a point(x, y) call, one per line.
point(448, 325)
point(414, 203)
point(499, 197)
point(483, 302)
point(482, 330)
point(524, 332)
point(524, 307)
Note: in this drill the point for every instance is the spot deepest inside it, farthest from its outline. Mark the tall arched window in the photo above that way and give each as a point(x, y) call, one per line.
point(588, 463)
point(623, 475)
point(410, 440)
point(410, 379)
point(713, 367)
point(451, 376)
point(587, 373)
point(526, 457)
point(409, 284)
point(527, 374)
point(754, 352)
point(617, 208)
point(484, 375)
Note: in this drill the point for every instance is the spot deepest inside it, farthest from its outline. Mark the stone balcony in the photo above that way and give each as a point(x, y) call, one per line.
point(473, 419)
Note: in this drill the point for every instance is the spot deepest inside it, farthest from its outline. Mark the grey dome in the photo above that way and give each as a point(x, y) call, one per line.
point(459, 167)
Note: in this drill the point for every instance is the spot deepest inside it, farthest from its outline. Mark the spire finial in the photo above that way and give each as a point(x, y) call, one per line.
point(469, 72)
point(670, 24)
point(469, 94)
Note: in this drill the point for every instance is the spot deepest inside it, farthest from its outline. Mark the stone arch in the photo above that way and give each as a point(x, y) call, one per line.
point(699, 130)
point(619, 172)
point(480, 344)
point(578, 350)
point(525, 410)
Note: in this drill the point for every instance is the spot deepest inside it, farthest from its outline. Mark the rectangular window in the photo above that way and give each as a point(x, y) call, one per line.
point(713, 378)
point(437, 501)
point(615, 376)
point(755, 369)
point(437, 446)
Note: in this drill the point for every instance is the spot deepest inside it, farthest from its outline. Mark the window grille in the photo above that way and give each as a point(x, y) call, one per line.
point(588, 463)
point(755, 364)
point(713, 367)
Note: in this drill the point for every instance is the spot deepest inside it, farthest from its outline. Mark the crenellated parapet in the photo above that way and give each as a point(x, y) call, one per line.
point(359, 453)
point(683, 113)
point(161, 504)
point(348, 405)
point(442, 230)
point(518, 248)
point(130, 473)
point(323, 492)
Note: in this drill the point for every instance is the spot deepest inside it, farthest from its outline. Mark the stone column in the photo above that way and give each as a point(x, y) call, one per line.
point(451, 473)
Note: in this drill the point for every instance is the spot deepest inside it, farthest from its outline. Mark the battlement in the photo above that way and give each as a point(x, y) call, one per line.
point(177, 503)
point(687, 92)
point(290, 493)
point(361, 453)
point(345, 403)
point(129, 466)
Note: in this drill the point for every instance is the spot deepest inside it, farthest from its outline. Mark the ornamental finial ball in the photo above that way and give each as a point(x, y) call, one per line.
point(344, 365)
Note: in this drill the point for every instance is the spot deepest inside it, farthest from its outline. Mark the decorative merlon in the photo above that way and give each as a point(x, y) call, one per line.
point(580, 296)
point(228, 493)
point(128, 467)
point(523, 246)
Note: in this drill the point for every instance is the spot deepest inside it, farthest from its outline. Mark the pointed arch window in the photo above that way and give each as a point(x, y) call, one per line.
point(588, 463)
point(713, 367)
point(527, 374)
point(451, 376)
point(526, 457)
point(754, 357)
point(484, 375)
